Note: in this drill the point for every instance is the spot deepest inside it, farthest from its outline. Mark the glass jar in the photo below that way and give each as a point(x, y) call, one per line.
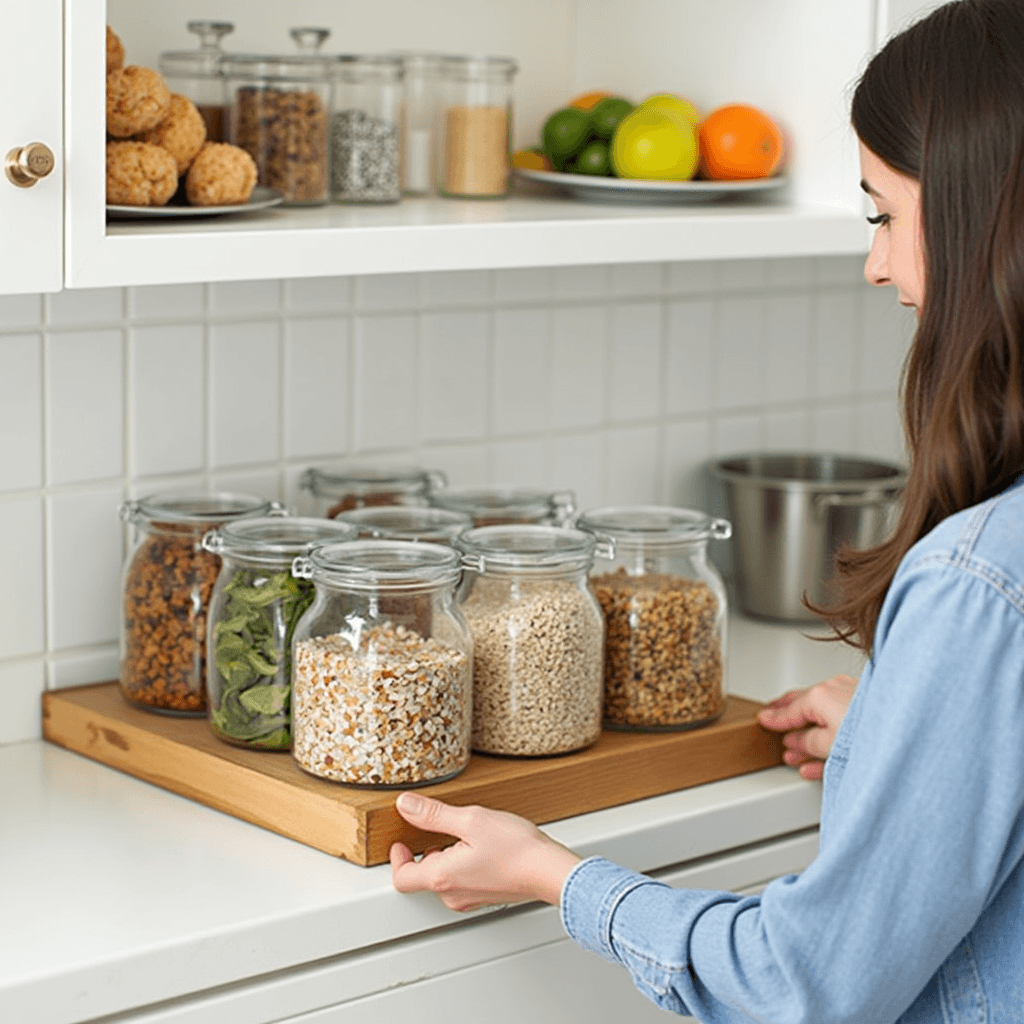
point(494, 506)
point(309, 40)
point(197, 74)
point(475, 125)
point(665, 612)
point(165, 591)
point(408, 522)
point(419, 122)
point(279, 109)
point(254, 607)
point(366, 104)
point(332, 491)
point(538, 639)
point(382, 677)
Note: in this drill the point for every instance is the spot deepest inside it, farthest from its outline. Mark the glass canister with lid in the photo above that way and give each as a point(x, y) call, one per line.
point(198, 74)
point(538, 639)
point(408, 522)
point(665, 612)
point(419, 129)
point(382, 678)
point(166, 585)
point(331, 490)
point(495, 506)
point(366, 102)
point(254, 607)
point(279, 108)
point(476, 125)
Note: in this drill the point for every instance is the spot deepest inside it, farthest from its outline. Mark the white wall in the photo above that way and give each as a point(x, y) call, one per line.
point(616, 381)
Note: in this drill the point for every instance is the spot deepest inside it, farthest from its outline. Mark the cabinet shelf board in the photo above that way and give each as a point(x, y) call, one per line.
point(270, 790)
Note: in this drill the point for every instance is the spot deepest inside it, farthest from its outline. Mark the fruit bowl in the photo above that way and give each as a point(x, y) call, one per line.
point(593, 189)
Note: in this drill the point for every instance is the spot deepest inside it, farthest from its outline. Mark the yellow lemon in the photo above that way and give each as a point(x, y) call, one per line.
point(670, 101)
point(655, 144)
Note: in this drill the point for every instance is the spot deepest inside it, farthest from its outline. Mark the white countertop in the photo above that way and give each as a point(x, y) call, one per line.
point(115, 893)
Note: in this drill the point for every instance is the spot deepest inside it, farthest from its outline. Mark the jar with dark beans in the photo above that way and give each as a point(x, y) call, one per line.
point(664, 608)
point(166, 586)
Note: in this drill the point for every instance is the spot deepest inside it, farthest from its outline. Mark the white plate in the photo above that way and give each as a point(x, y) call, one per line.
point(261, 199)
point(594, 189)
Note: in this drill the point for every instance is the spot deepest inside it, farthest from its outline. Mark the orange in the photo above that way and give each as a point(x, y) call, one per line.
point(738, 142)
point(533, 159)
point(588, 100)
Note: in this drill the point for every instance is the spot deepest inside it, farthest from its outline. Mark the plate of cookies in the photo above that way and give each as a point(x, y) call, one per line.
point(160, 161)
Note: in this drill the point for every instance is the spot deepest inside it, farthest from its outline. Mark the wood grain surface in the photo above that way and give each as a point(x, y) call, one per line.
point(269, 789)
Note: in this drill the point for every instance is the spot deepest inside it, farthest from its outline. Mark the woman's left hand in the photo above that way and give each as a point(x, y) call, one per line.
point(499, 857)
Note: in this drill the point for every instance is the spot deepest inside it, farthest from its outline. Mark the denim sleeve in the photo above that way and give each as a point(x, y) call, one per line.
point(922, 822)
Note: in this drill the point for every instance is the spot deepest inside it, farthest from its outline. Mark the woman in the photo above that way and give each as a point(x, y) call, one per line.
point(914, 908)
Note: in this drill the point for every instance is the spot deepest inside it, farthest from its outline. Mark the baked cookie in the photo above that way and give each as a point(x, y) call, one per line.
point(182, 132)
point(137, 99)
point(115, 51)
point(140, 174)
point(221, 175)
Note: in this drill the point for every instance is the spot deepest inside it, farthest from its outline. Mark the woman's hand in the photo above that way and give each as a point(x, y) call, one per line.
point(499, 857)
point(810, 718)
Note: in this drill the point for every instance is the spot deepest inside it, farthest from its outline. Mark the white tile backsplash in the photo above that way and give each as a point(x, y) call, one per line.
point(617, 382)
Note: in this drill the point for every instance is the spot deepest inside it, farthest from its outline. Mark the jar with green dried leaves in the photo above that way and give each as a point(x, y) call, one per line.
point(254, 607)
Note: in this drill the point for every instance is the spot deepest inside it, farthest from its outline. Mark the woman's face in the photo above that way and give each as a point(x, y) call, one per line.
point(897, 252)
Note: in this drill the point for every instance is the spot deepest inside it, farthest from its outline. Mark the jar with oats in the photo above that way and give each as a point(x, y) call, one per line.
point(538, 639)
point(382, 665)
point(665, 613)
point(165, 593)
point(331, 490)
point(475, 112)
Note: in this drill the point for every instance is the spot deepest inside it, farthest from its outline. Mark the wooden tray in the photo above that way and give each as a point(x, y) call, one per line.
point(269, 789)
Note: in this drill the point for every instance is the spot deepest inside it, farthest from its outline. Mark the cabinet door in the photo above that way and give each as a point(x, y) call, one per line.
point(31, 76)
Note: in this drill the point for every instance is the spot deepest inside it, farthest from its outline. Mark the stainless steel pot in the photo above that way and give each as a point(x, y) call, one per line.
point(791, 513)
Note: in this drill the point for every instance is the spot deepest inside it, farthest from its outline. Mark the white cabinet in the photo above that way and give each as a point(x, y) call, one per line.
point(31, 219)
point(795, 58)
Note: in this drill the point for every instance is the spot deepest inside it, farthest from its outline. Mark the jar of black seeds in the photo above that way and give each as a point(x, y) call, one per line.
point(366, 104)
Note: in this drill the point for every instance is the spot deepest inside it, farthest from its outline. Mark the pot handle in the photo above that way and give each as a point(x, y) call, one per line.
point(823, 502)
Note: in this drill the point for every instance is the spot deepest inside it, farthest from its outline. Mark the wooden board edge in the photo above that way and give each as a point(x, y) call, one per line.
point(259, 799)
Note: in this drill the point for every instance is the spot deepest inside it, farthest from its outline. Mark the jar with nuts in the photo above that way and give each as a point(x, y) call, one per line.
point(165, 593)
point(665, 613)
point(254, 608)
point(331, 490)
point(382, 665)
point(538, 639)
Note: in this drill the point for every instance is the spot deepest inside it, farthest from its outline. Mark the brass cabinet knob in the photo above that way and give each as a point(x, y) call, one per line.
point(25, 165)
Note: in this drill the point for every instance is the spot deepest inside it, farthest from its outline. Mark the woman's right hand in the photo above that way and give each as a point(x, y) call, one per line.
point(809, 719)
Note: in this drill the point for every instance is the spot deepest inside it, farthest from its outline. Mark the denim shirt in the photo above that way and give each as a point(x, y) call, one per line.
point(913, 910)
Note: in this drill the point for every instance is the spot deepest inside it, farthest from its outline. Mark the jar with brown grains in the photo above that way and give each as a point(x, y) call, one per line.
point(331, 490)
point(538, 639)
point(497, 506)
point(382, 665)
point(165, 588)
point(665, 613)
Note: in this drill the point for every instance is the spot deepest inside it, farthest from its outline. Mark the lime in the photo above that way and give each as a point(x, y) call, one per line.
point(564, 134)
point(593, 158)
point(655, 144)
point(606, 116)
point(670, 101)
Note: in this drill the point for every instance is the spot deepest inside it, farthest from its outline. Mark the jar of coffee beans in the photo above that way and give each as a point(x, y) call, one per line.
point(382, 665)
point(665, 613)
point(538, 639)
point(166, 586)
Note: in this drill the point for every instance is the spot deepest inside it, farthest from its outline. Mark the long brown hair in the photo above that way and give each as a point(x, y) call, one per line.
point(943, 103)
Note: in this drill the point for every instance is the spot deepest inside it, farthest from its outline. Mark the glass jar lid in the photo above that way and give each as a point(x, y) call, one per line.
point(407, 522)
point(274, 540)
point(363, 480)
point(391, 565)
point(518, 548)
point(511, 504)
point(309, 39)
point(191, 509)
point(464, 67)
point(203, 62)
point(653, 525)
point(271, 68)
